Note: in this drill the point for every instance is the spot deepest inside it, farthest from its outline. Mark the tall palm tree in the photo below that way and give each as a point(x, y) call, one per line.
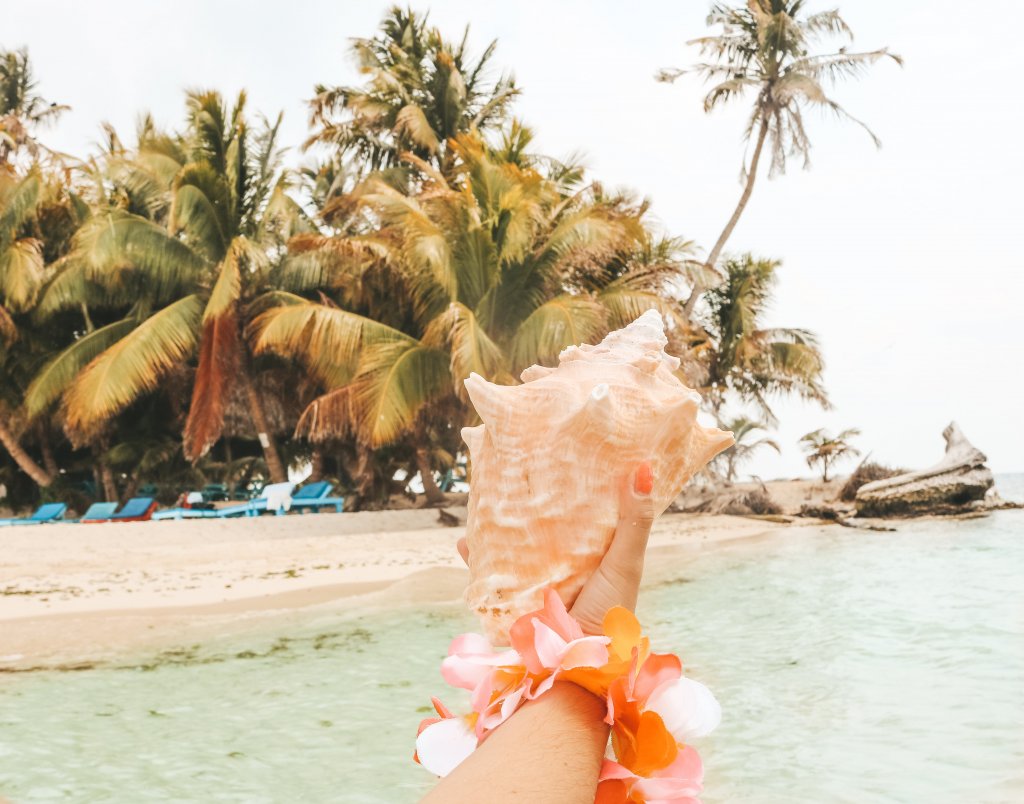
point(421, 91)
point(22, 110)
point(827, 450)
point(765, 47)
point(742, 356)
point(500, 269)
point(744, 431)
point(219, 213)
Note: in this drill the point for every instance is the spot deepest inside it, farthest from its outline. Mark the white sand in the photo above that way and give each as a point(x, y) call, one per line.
point(83, 593)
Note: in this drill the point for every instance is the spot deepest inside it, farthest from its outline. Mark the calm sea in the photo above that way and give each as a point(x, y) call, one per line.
point(851, 667)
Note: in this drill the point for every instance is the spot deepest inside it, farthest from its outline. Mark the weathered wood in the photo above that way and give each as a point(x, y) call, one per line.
point(949, 487)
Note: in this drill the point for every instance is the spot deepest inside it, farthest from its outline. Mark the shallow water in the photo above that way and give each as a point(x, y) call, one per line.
point(851, 666)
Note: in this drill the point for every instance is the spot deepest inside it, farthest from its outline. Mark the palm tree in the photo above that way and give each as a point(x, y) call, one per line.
point(765, 47)
point(39, 213)
point(741, 356)
point(827, 450)
point(421, 91)
point(189, 274)
point(744, 430)
point(498, 270)
point(21, 109)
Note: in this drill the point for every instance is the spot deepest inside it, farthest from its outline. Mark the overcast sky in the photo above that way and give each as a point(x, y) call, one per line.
point(906, 261)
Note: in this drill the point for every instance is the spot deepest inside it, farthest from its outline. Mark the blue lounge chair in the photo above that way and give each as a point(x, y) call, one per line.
point(50, 512)
point(314, 497)
point(187, 513)
point(97, 512)
point(276, 497)
point(137, 509)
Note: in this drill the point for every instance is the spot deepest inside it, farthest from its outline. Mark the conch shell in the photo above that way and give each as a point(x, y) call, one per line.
point(551, 458)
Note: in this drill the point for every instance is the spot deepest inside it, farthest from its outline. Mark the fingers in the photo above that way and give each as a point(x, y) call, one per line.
point(636, 515)
point(463, 547)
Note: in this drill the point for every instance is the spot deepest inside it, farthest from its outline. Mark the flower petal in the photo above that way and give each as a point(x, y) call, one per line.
point(586, 652)
point(624, 629)
point(442, 746)
point(549, 645)
point(687, 707)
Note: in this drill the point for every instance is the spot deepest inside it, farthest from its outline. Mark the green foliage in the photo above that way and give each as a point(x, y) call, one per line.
point(168, 300)
point(827, 450)
point(765, 48)
point(744, 431)
point(745, 358)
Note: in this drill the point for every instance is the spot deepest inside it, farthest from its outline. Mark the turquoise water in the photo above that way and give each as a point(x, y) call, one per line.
point(853, 666)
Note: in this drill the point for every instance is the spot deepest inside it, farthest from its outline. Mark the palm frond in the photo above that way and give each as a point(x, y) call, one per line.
point(471, 348)
point(133, 366)
point(555, 325)
point(21, 272)
point(54, 379)
point(396, 380)
point(324, 338)
point(215, 378)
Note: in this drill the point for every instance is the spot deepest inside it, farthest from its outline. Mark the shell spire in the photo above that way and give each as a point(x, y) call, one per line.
point(551, 457)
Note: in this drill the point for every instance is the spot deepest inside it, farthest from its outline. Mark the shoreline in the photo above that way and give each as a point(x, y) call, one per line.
point(145, 587)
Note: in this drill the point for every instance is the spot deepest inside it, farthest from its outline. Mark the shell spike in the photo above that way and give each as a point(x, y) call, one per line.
point(492, 402)
point(599, 402)
point(474, 438)
point(535, 373)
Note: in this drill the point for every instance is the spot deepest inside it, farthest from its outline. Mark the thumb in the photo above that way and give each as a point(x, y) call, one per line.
point(617, 579)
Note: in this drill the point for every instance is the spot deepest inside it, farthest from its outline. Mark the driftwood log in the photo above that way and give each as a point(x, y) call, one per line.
point(953, 485)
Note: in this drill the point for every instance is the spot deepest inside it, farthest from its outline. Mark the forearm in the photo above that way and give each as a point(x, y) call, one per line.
point(549, 752)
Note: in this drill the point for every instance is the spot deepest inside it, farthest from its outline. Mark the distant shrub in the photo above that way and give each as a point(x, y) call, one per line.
point(866, 473)
point(757, 501)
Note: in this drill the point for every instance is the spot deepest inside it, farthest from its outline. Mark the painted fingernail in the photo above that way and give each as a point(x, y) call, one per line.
point(643, 483)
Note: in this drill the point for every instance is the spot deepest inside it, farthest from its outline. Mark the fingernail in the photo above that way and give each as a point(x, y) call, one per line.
point(643, 482)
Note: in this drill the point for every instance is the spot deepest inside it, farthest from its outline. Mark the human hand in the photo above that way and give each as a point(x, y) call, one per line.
point(617, 579)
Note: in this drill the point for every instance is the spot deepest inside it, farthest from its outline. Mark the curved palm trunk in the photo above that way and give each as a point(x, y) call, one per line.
point(430, 488)
point(748, 189)
point(275, 466)
point(22, 458)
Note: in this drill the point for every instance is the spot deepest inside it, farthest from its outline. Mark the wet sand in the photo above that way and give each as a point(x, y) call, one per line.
point(75, 595)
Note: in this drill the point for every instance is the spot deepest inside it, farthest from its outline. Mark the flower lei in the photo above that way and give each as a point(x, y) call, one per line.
point(652, 708)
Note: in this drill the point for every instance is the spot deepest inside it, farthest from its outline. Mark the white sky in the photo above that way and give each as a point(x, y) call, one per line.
point(905, 261)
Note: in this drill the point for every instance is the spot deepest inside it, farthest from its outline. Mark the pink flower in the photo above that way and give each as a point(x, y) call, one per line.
point(680, 782)
point(551, 640)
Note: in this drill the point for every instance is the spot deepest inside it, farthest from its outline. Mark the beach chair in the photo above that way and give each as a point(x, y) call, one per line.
point(313, 497)
point(137, 509)
point(276, 497)
point(187, 513)
point(50, 512)
point(215, 492)
point(97, 512)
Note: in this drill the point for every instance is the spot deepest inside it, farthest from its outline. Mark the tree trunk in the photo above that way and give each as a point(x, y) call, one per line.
point(364, 475)
point(317, 461)
point(434, 495)
point(275, 466)
point(49, 461)
point(131, 488)
point(716, 250)
point(108, 482)
point(22, 458)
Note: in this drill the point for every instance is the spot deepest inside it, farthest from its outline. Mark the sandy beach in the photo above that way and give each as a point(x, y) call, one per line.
point(75, 595)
